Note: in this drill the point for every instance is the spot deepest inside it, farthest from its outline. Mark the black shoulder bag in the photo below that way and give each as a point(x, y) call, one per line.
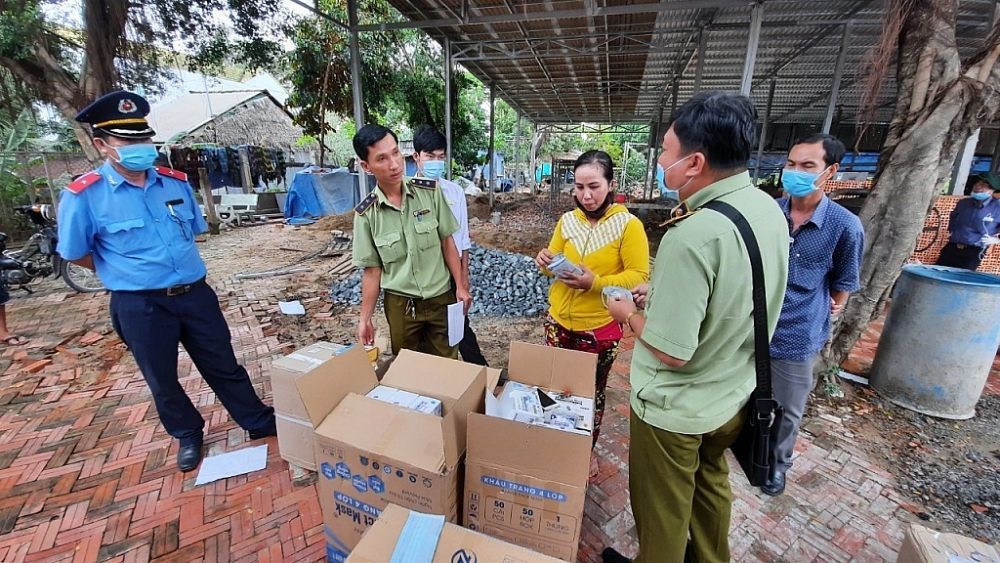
point(756, 448)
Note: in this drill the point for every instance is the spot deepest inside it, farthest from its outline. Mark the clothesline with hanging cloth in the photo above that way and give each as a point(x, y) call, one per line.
point(223, 164)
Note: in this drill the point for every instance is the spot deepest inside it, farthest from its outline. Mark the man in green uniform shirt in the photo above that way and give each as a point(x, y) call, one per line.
point(693, 366)
point(402, 239)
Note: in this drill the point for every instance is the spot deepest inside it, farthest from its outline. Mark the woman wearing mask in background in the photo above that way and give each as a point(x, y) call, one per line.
point(610, 248)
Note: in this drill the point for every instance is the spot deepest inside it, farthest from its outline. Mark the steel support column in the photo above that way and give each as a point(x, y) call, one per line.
point(517, 150)
point(699, 69)
point(756, 16)
point(447, 105)
point(763, 129)
point(963, 165)
point(490, 158)
point(651, 156)
point(674, 92)
point(359, 100)
point(838, 73)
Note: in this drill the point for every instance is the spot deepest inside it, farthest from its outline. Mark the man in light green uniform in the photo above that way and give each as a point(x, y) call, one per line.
point(402, 239)
point(693, 367)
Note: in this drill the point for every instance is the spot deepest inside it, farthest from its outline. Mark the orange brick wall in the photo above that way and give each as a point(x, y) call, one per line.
point(944, 206)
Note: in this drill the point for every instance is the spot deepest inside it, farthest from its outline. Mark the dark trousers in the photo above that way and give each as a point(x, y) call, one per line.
point(152, 326)
point(415, 322)
point(679, 485)
point(964, 256)
point(468, 347)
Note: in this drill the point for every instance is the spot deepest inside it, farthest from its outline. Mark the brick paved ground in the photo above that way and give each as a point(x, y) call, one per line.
point(87, 474)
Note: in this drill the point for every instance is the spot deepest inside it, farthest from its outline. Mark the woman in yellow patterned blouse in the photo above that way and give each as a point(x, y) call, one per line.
point(609, 246)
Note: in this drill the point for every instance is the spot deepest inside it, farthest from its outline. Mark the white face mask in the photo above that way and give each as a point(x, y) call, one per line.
point(668, 190)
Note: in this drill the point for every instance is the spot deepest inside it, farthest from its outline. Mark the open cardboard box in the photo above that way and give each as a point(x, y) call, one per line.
point(371, 454)
point(524, 483)
point(454, 545)
point(923, 545)
point(296, 442)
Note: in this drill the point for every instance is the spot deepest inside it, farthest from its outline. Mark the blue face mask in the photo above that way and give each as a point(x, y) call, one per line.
point(981, 196)
point(136, 158)
point(433, 169)
point(664, 190)
point(798, 183)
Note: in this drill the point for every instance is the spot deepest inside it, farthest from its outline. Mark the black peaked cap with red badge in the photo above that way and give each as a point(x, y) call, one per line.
point(119, 114)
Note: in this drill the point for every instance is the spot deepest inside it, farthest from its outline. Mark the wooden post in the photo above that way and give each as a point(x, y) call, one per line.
point(28, 180)
point(209, 201)
point(52, 190)
point(245, 170)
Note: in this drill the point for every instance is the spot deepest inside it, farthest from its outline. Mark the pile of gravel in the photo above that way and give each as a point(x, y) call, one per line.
point(503, 284)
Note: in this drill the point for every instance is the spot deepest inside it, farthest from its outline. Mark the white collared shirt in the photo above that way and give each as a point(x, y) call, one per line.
point(455, 197)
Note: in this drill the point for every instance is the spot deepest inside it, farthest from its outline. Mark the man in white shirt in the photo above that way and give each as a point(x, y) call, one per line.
point(429, 152)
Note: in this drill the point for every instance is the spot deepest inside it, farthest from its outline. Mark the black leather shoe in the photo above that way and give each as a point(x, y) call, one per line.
point(775, 486)
point(188, 457)
point(609, 555)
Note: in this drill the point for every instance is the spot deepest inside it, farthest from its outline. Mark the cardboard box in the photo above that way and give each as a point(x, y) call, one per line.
point(285, 371)
point(296, 441)
point(527, 484)
point(922, 545)
point(454, 545)
point(371, 453)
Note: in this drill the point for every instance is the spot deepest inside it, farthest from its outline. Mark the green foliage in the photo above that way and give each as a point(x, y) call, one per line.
point(402, 82)
point(320, 67)
point(20, 23)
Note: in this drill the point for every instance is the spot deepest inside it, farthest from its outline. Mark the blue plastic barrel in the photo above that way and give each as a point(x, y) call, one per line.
point(939, 340)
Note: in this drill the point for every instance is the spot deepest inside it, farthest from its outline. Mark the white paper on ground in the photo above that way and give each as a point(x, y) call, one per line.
point(456, 323)
point(232, 464)
point(291, 307)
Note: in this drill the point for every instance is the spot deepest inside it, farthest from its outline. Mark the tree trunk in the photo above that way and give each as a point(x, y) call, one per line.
point(537, 140)
point(57, 87)
point(940, 102)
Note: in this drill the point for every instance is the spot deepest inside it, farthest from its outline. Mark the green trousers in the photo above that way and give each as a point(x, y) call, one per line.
point(679, 485)
point(412, 320)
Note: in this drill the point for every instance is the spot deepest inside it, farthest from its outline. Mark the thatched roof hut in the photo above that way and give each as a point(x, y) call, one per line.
point(245, 117)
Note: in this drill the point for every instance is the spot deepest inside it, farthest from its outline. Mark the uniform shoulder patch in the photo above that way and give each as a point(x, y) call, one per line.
point(365, 204)
point(678, 214)
point(170, 172)
point(425, 183)
point(83, 182)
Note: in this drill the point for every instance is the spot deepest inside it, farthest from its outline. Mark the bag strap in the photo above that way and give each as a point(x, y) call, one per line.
point(761, 343)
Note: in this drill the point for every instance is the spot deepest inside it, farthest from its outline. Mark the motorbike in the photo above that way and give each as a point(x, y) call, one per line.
point(38, 258)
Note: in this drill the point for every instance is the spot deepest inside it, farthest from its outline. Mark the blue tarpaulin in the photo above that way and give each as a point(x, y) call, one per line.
point(316, 192)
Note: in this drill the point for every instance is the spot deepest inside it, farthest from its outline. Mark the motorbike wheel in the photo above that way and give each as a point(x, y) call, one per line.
point(79, 278)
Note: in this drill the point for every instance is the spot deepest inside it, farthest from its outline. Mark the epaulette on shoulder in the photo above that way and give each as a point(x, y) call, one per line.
point(83, 182)
point(678, 214)
point(365, 204)
point(425, 183)
point(170, 172)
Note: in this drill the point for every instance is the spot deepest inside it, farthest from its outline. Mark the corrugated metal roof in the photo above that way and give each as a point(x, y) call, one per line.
point(620, 65)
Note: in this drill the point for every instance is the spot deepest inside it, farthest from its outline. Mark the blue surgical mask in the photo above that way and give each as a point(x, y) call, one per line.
point(136, 158)
point(666, 190)
point(433, 169)
point(981, 196)
point(798, 183)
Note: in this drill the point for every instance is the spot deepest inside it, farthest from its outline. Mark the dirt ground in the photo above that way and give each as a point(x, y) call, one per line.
point(949, 469)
